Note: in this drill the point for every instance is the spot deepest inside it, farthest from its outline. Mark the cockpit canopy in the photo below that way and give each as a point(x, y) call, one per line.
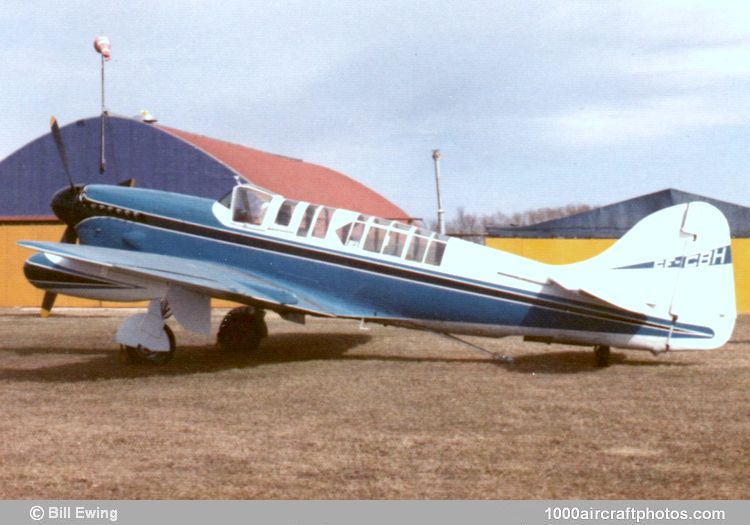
point(250, 205)
point(254, 207)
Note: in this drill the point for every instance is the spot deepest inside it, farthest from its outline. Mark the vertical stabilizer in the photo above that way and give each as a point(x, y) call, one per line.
point(674, 265)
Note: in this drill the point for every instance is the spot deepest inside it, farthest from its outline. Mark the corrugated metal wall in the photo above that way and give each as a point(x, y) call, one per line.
point(564, 251)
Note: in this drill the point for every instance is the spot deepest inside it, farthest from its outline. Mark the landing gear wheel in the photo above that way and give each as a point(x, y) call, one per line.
point(137, 355)
point(242, 329)
point(601, 356)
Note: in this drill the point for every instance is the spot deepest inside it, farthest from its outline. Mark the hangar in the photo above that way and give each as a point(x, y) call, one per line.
point(156, 157)
point(578, 237)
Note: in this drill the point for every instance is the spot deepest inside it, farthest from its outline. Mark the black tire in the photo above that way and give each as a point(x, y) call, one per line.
point(242, 330)
point(601, 356)
point(138, 355)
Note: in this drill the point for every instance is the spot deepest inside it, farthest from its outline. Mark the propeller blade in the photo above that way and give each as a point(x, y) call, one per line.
point(47, 303)
point(60, 147)
point(69, 235)
point(128, 183)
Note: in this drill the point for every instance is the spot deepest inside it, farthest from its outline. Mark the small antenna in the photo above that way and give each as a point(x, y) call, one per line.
point(103, 46)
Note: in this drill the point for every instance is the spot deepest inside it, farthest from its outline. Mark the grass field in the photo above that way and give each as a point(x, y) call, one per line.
point(329, 411)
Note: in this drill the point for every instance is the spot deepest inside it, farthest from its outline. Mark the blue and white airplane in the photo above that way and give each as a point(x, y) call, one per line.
point(666, 285)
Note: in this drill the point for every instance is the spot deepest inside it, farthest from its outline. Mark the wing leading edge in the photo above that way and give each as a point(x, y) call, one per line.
point(212, 279)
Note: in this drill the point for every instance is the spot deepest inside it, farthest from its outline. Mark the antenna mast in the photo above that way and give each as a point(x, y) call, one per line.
point(103, 46)
point(440, 210)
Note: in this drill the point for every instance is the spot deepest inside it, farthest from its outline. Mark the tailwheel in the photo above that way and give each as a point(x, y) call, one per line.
point(601, 356)
point(242, 329)
point(137, 355)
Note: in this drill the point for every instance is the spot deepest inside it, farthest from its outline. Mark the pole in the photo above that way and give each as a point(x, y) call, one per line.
point(440, 210)
point(103, 100)
point(102, 159)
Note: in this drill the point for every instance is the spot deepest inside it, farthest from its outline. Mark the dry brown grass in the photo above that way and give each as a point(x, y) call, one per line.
point(329, 411)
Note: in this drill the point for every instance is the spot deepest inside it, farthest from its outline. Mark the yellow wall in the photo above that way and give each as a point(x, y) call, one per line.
point(15, 290)
point(563, 251)
point(552, 251)
point(741, 264)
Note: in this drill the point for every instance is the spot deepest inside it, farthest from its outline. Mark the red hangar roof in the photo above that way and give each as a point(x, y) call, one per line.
point(294, 178)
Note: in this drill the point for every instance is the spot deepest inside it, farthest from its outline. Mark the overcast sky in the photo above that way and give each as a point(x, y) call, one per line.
point(532, 103)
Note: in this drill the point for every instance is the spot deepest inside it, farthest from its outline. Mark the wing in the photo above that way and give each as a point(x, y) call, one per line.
point(206, 278)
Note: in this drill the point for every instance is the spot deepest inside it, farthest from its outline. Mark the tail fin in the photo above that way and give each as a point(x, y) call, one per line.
point(675, 265)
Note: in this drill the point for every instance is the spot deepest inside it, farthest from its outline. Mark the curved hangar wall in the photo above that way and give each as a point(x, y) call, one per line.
point(156, 157)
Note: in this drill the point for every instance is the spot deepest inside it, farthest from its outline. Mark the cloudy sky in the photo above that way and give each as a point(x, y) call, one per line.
point(533, 103)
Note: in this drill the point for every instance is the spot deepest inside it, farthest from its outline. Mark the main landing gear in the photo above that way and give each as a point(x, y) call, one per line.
point(242, 329)
point(139, 354)
point(153, 323)
point(601, 356)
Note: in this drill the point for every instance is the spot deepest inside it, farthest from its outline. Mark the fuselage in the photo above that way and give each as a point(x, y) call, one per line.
point(354, 266)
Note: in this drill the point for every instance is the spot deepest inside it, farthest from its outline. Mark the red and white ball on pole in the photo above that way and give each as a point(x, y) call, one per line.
point(103, 46)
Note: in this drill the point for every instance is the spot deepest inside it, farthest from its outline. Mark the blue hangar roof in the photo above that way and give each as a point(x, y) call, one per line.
point(612, 221)
point(167, 159)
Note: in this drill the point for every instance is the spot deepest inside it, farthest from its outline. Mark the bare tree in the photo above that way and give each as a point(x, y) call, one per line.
point(473, 227)
point(538, 215)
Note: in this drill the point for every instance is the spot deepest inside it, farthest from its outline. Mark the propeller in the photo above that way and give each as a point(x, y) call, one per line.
point(69, 235)
point(64, 203)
